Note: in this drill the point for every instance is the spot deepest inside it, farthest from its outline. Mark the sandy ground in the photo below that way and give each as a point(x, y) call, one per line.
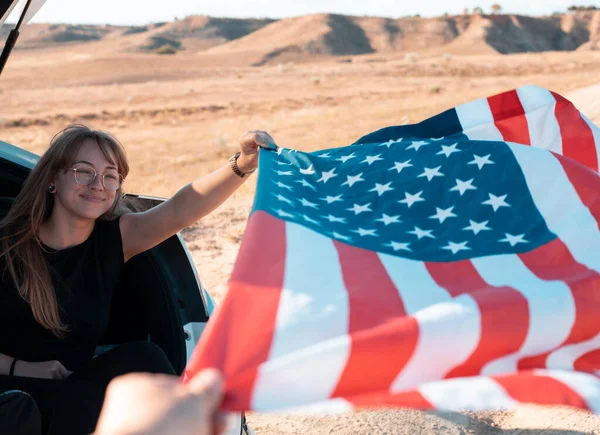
point(180, 120)
point(587, 100)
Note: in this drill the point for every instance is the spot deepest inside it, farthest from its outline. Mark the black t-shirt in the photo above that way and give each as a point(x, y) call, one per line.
point(84, 277)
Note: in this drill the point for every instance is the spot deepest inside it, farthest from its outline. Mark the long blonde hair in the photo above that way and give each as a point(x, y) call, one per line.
point(20, 244)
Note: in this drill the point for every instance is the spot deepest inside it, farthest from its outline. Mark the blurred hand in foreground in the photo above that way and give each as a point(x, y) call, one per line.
point(142, 403)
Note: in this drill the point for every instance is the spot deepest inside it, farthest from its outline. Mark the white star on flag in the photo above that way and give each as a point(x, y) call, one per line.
point(312, 221)
point(372, 159)
point(455, 247)
point(325, 176)
point(443, 214)
point(411, 199)
point(390, 143)
point(400, 166)
point(306, 184)
point(363, 232)
point(332, 219)
point(513, 240)
point(421, 233)
point(396, 246)
point(306, 203)
point(282, 213)
point(476, 227)
point(496, 201)
point(481, 161)
point(331, 199)
point(324, 155)
point(307, 171)
point(284, 172)
point(381, 188)
point(344, 159)
point(389, 219)
point(448, 150)
point(463, 186)
point(339, 236)
point(431, 172)
point(358, 209)
point(284, 199)
point(284, 186)
point(416, 145)
point(353, 179)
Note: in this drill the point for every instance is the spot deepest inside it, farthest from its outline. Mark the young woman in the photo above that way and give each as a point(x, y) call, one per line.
point(62, 247)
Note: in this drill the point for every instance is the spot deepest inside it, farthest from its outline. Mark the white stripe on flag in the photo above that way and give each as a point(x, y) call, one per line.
point(313, 309)
point(560, 206)
point(477, 121)
point(473, 393)
point(596, 133)
point(539, 105)
point(565, 357)
point(333, 406)
point(301, 377)
point(546, 300)
point(584, 384)
point(415, 285)
point(449, 328)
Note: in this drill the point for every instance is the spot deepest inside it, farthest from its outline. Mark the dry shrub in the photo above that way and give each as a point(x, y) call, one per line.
point(165, 49)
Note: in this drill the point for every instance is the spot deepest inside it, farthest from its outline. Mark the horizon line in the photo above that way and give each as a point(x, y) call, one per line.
point(291, 16)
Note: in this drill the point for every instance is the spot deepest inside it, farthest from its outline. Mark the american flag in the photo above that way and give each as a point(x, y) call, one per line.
point(452, 264)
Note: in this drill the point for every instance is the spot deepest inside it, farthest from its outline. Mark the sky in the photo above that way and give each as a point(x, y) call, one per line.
point(147, 11)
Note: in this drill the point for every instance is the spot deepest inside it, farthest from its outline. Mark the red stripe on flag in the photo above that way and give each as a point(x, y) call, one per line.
point(589, 362)
point(501, 334)
point(554, 262)
point(266, 269)
point(458, 277)
point(529, 388)
point(244, 325)
point(585, 182)
point(509, 117)
point(383, 337)
point(577, 137)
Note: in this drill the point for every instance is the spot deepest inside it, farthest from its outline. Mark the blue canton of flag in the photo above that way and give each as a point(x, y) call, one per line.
point(424, 199)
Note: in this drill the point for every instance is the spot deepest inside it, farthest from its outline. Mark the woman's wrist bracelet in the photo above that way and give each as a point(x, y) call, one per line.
point(12, 367)
point(235, 168)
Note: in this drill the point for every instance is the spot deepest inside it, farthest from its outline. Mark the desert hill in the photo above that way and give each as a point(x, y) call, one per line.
point(593, 42)
point(263, 41)
point(194, 33)
point(328, 34)
point(46, 35)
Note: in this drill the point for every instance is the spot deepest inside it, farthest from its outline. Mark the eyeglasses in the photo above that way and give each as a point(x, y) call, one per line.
point(86, 176)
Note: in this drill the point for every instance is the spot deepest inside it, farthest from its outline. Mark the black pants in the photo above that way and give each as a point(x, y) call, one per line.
point(72, 406)
point(19, 414)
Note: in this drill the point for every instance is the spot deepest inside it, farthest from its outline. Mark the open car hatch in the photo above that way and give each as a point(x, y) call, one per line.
point(28, 9)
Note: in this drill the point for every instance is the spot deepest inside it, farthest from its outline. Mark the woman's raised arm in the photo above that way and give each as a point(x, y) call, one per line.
point(142, 231)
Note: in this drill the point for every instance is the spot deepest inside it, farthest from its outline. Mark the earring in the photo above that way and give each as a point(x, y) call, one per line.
point(52, 188)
